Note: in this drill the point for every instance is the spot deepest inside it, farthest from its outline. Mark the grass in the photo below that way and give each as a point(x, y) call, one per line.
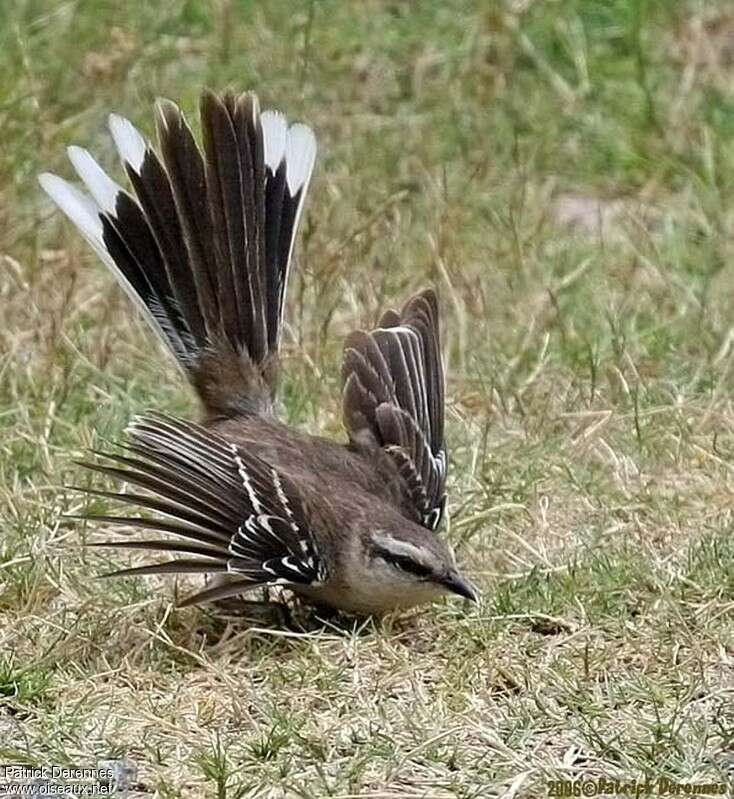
point(563, 172)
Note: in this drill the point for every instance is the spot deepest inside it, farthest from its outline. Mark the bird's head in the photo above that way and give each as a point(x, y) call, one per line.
point(416, 565)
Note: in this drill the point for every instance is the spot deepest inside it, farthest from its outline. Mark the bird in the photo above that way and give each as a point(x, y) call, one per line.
point(202, 242)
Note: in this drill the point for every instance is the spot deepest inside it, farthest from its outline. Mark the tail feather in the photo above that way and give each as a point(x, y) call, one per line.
point(245, 114)
point(153, 189)
point(129, 239)
point(186, 171)
point(224, 195)
point(126, 229)
point(231, 181)
point(300, 155)
point(85, 214)
point(205, 243)
point(275, 135)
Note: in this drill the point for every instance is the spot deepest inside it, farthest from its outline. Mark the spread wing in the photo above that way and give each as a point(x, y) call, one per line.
point(225, 509)
point(393, 398)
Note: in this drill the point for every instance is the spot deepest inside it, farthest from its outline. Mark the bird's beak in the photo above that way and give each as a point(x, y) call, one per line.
point(458, 585)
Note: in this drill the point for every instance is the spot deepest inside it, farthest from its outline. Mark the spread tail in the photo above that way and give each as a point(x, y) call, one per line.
point(203, 244)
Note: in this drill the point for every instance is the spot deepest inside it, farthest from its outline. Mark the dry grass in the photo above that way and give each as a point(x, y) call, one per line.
point(563, 173)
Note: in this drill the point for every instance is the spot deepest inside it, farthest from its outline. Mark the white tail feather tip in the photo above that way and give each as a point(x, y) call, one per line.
point(129, 142)
point(275, 131)
point(80, 208)
point(300, 156)
point(99, 184)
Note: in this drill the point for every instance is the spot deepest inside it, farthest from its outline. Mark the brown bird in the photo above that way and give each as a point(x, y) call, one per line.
point(203, 246)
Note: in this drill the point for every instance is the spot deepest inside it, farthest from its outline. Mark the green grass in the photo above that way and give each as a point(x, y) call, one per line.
point(563, 172)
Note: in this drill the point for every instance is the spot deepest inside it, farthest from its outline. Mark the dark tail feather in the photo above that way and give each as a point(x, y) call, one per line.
point(204, 246)
point(185, 169)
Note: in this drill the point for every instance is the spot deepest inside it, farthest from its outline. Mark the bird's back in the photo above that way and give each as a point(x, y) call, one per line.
point(343, 475)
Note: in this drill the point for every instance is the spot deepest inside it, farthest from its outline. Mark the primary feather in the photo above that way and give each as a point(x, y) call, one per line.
point(393, 399)
point(238, 514)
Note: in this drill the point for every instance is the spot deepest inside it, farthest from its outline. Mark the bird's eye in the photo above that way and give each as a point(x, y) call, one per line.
point(410, 566)
point(404, 563)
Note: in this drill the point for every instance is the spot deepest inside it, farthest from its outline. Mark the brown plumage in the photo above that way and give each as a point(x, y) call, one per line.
point(204, 247)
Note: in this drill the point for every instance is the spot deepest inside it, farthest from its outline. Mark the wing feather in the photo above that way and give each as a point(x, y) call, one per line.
point(221, 503)
point(393, 398)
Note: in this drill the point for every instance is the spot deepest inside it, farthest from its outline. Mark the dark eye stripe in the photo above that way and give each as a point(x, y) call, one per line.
point(408, 565)
point(404, 563)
